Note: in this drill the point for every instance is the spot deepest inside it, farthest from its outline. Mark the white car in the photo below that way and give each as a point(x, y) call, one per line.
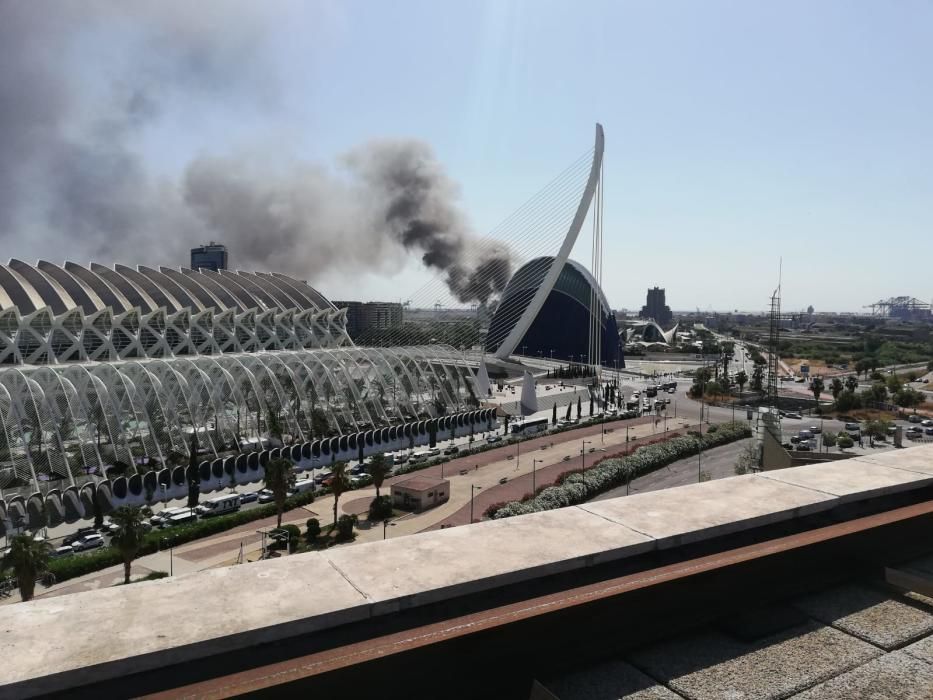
point(64, 551)
point(88, 542)
point(266, 496)
point(927, 423)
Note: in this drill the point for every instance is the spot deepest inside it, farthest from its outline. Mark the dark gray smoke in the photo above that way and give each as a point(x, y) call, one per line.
point(74, 183)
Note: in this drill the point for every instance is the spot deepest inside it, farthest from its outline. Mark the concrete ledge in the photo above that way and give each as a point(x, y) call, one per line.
point(855, 479)
point(693, 513)
point(444, 564)
point(126, 629)
point(104, 634)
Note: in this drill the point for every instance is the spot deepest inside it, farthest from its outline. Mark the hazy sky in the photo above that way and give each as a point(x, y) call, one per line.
point(736, 132)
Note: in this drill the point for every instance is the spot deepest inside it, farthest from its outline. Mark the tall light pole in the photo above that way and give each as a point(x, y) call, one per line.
point(699, 456)
point(534, 463)
point(472, 490)
point(583, 462)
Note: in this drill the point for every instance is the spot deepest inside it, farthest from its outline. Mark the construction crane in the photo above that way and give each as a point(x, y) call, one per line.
point(904, 308)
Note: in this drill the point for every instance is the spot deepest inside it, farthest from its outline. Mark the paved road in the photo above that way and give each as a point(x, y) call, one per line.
point(718, 462)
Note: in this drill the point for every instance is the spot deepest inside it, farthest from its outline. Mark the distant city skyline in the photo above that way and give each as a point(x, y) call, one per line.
point(735, 133)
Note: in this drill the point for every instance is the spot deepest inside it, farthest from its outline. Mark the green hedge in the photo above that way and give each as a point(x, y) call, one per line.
point(615, 471)
point(86, 563)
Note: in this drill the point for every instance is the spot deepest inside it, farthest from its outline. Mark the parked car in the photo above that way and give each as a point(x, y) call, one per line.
point(815, 429)
point(88, 542)
point(65, 550)
point(248, 497)
point(853, 428)
point(494, 438)
point(452, 450)
point(81, 532)
point(914, 418)
point(265, 496)
point(794, 439)
point(319, 477)
point(793, 415)
point(927, 423)
point(928, 431)
point(803, 447)
point(914, 431)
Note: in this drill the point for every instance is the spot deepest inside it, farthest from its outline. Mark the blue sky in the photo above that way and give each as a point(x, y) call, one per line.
point(736, 132)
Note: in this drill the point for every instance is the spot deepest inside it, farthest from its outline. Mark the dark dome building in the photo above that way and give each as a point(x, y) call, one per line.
point(561, 328)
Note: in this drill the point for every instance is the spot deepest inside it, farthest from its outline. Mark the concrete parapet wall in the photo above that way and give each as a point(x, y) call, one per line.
point(73, 640)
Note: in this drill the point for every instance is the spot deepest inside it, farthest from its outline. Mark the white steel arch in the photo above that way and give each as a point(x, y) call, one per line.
point(507, 347)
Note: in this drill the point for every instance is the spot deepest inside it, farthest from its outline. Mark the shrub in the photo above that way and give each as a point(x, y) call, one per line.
point(493, 507)
point(380, 508)
point(829, 438)
point(154, 576)
point(294, 533)
point(612, 472)
point(711, 429)
point(313, 529)
point(844, 441)
point(345, 525)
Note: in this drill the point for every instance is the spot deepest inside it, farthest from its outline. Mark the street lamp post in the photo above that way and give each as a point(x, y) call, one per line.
point(699, 457)
point(385, 525)
point(472, 490)
point(583, 462)
point(534, 463)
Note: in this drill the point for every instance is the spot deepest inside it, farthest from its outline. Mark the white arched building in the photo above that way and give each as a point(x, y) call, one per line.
point(113, 371)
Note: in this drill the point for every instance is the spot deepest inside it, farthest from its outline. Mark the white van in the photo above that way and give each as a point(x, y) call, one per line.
point(218, 505)
point(162, 516)
point(188, 515)
point(302, 486)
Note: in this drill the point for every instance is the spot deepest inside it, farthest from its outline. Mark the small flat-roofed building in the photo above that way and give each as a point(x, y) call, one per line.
point(420, 493)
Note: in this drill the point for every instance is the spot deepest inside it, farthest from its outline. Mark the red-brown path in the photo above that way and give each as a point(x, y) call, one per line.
point(482, 459)
point(516, 488)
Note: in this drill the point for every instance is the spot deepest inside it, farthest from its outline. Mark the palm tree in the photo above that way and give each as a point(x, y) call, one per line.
point(816, 386)
point(28, 559)
point(741, 379)
point(279, 477)
point(379, 469)
point(339, 483)
point(836, 387)
point(851, 383)
point(129, 534)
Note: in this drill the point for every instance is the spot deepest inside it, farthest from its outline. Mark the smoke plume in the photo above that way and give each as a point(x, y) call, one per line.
point(75, 183)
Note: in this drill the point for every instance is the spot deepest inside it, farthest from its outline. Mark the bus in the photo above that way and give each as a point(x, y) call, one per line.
point(527, 427)
point(422, 455)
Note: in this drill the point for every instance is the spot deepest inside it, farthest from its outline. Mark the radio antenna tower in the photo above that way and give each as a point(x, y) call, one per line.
point(774, 338)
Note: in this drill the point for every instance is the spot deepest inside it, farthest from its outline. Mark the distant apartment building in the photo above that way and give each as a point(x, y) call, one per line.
point(656, 308)
point(212, 256)
point(370, 315)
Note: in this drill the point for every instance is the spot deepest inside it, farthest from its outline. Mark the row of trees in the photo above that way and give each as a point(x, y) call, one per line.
point(29, 558)
point(883, 390)
point(705, 385)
